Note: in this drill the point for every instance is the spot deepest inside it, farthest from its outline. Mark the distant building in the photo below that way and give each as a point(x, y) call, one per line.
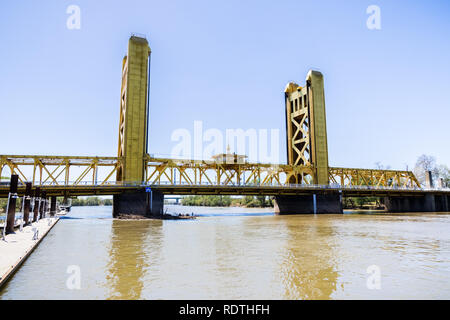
point(229, 158)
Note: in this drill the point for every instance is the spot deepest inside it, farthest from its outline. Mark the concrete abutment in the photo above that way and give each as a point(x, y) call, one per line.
point(309, 204)
point(140, 203)
point(427, 203)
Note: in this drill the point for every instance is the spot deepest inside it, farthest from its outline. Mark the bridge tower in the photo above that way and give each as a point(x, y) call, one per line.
point(306, 129)
point(133, 132)
point(133, 121)
point(306, 142)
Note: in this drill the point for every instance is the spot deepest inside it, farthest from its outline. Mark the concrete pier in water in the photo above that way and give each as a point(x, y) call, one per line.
point(428, 202)
point(309, 204)
point(146, 204)
point(425, 203)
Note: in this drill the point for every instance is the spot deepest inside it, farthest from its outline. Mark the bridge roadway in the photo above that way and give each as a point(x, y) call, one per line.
point(291, 185)
point(212, 189)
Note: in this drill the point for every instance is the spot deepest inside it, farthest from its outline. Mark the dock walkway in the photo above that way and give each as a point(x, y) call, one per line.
point(18, 246)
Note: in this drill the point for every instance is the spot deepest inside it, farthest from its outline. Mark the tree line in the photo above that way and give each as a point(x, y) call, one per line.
point(438, 171)
point(88, 201)
point(91, 201)
point(227, 201)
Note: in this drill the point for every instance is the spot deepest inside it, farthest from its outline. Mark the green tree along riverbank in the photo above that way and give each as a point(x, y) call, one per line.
point(362, 203)
point(4, 202)
point(90, 201)
point(263, 202)
point(227, 201)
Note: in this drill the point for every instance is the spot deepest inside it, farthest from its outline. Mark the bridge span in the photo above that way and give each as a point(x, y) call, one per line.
point(138, 181)
point(274, 189)
point(86, 176)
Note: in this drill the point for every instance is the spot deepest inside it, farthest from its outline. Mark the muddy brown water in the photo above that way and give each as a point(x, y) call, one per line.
point(236, 253)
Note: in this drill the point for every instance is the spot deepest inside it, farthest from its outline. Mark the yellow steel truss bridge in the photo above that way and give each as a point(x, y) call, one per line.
point(78, 175)
point(307, 171)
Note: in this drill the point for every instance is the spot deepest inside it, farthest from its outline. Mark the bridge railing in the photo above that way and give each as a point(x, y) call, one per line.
point(333, 186)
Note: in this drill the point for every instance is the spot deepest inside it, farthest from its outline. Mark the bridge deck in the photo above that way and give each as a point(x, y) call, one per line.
point(268, 190)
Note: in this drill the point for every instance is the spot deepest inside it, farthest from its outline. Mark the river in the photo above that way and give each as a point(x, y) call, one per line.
point(236, 253)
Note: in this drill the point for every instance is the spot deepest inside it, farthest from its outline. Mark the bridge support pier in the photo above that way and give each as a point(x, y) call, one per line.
point(309, 204)
point(146, 204)
point(42, 207)
point(426, 203)
point(11, 206)
point(53, 206)
point(27, 204)
point(442, 202)
point(37, 201)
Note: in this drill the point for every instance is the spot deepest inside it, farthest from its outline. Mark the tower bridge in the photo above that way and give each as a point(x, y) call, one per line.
point(138, 181)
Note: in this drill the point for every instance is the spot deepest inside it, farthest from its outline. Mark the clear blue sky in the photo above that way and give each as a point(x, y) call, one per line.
point(226, 63)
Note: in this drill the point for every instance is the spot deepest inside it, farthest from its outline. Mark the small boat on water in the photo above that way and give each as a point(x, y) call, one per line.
point(181, 216)
point(63, 210)
point(66, 208)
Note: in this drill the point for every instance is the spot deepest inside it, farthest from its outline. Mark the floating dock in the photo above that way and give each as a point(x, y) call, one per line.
point(16, 248)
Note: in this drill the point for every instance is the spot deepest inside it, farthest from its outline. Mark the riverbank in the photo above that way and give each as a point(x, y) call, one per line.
point(18, 246)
